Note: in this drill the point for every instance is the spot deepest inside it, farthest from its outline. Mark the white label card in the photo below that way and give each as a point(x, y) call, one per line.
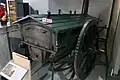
point(46, 20)
point(13, 72)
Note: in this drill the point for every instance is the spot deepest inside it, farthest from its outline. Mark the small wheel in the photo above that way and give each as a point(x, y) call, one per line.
point(85, 57)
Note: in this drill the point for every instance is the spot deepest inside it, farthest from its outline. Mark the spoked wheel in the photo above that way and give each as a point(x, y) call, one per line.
point(85, 56)
point(66, 65)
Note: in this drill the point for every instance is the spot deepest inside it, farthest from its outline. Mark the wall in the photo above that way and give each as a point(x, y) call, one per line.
point(25, 1)
point(65, 5)
point(4, 49)
point(114, 39)
point(96, 7)
point(41, 5)
point(19, 8)
point(19, 0)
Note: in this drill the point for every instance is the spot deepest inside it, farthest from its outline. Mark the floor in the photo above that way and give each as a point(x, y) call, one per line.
point(97, 74)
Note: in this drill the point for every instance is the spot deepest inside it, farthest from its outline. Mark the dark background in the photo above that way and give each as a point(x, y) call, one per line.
point(3, 1)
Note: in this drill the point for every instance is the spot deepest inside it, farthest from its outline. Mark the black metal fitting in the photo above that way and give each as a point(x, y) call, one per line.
point(49, 14)
point(75, 12)
point(59, 11)
point(70, 12)
point(85, 7)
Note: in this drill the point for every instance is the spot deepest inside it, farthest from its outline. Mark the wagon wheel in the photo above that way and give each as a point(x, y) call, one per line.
point(85, 49)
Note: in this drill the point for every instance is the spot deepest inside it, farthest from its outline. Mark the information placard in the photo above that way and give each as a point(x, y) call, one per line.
point(13, 72)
